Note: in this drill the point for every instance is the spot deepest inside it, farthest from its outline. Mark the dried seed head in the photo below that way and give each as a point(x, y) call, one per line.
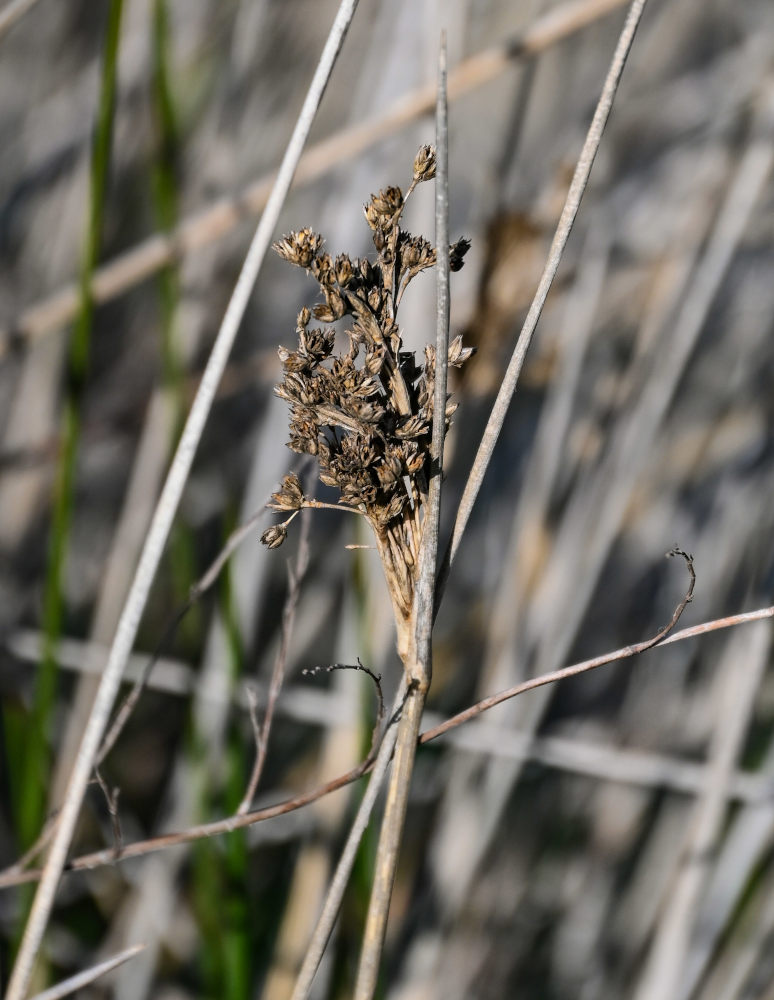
point(274, 536)
point(290, 496)
point(382, 209)
point(458, 354)
point(366, 411)
point(344, 269)
point(424, 164)
point(299, 248)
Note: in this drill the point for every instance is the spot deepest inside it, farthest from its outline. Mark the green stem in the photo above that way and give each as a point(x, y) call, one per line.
point(36, 762)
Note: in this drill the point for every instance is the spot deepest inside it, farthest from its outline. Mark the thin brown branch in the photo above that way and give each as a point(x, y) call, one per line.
point(576, 668)
point(221, 217)
point(12, 876)
point(111, 799)
point(98, 859)
point(130, 702)
point(295, 578)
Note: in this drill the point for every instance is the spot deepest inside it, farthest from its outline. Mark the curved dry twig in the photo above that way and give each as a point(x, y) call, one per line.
point(576, 668)
point(12, 876)
point(376, 678)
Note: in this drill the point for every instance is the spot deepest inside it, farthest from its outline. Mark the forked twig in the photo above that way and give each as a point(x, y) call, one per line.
point(165, 512)
point(111, 799)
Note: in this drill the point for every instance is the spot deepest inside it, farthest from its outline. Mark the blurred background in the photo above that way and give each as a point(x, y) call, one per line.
point(612, 836)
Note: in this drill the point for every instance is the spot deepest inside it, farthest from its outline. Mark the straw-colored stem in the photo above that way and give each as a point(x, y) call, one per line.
point(165, 512)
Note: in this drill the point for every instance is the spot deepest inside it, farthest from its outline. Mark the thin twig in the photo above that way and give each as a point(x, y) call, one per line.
point(563, 229)
point(338, 884)
point(295, 578)
point(98, 859)
point(77, 982)
point(418, 668)
point(577, 668)
point(197, 591)
point(12, 876)
point(165, 512)
point(220, 218)
point(376, 678)
point(37, 847)
point(111, 798)
point(130, 702)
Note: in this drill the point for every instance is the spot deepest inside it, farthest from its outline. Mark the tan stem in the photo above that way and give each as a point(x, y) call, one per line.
point(389, 842)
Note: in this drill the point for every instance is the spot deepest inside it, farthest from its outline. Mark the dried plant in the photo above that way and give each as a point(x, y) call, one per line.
point(366, 413)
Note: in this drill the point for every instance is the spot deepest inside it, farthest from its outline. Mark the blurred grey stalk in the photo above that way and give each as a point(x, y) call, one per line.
point(165, 511)
point(68, 986)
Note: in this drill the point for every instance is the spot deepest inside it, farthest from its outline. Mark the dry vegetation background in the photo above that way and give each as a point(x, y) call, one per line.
point(559, 846)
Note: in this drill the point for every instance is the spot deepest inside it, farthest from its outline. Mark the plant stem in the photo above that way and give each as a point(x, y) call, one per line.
point(165, 512)
point(417, 659)
point(389, 843)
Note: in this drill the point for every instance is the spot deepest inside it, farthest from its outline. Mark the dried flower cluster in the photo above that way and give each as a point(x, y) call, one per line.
point(366, 413)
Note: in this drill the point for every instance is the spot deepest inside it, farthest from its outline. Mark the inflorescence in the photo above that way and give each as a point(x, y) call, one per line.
point(366, 414)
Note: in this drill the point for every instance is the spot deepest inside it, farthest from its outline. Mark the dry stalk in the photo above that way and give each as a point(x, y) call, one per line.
point(564, 228)
point(82, 979)
point(164, 515)
point(366, 413)
point(419, 665)
point(375, 420)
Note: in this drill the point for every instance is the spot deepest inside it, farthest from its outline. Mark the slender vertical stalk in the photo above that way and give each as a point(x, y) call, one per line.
point(418, 662)
point(564, 228)
point(165, 512)
point(335, 894)
point(34, 784)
